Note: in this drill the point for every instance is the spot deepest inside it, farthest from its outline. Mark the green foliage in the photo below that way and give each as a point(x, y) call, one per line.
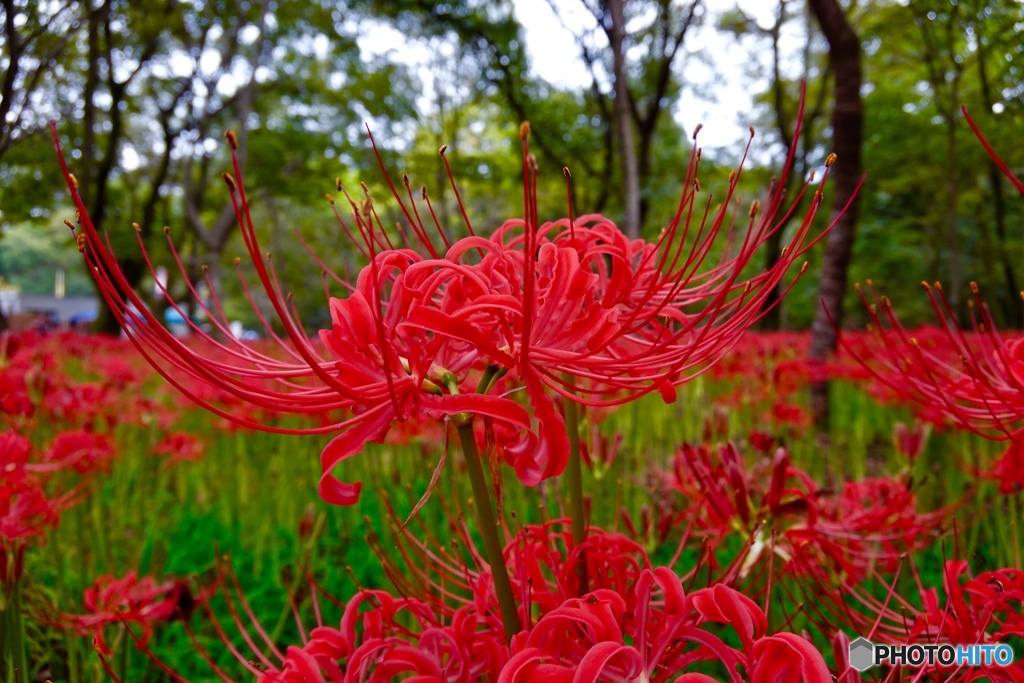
point(929, 206)
point(31, 254)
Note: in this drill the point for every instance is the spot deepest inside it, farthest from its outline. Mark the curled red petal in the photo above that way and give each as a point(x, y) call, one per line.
point(374, 428)
point(788, 658)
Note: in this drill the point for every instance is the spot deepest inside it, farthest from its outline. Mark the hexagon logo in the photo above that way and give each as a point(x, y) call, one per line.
point(862, 654)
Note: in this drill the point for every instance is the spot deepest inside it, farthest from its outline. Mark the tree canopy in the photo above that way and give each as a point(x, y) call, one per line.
point(144, 93)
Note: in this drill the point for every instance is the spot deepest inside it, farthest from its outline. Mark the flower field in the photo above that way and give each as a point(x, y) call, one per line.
point(143, 530)
point(546, 453)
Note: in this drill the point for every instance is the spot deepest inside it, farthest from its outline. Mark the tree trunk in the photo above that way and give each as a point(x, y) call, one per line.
point(624, 120)
point(847, 134)
point(1011, 297)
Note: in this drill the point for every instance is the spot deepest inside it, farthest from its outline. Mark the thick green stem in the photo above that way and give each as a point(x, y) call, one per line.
point(574, 477)
point(13, 658)
point(485, 519)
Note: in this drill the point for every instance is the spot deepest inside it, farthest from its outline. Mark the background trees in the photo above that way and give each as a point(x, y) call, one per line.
point(144, 92)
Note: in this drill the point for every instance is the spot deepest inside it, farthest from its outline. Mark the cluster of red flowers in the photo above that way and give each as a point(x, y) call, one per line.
point(571, 312)
point(872, 524)
point(131, 600)
point(974, 379)
point(33, 493)
point(638, 623)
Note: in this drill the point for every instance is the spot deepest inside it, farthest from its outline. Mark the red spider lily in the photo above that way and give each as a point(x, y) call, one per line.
point(25, 513)
point(541, 561)
point(130, 600)
point(571, 307)
point(382, 638)
point(970, 378)
point(600, 637)
point(1008, 469)
point(179, 447)
point(81, 450)
point(871, 523)
point(377, 367)
point(762, 441)
point(985, 609)
point(974, 379)
point(910, 441)
point(379, 638)
point(15, 399)
point(26, 510)
point(639, 624)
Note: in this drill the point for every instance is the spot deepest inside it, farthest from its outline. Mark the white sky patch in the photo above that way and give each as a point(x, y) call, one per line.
point(130, 159)
point(377, 39)
point(554, 52)
point(720, 74)
point(722, 97)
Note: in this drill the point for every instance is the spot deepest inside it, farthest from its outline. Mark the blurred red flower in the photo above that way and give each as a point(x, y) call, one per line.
point(131, 600)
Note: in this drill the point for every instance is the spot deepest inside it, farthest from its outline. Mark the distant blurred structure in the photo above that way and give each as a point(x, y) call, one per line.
point(10, 299)
point(68, 311)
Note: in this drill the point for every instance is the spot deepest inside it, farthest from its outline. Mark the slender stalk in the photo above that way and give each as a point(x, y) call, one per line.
point(13, 658)
point(489, 531)
point(574, 478)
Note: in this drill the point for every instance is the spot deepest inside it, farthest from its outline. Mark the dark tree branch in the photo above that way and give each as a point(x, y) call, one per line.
point(847, 137)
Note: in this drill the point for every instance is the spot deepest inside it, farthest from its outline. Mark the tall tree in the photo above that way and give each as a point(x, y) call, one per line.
point(782, 98)
point(34, 39)
point(643, 89)
point(122, 42)
point(844, 53)
point(942, 53)
point(616, 29)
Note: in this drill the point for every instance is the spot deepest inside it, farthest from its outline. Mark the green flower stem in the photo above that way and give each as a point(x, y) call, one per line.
point(489, 532)
point(574, 478)
point(13, 658)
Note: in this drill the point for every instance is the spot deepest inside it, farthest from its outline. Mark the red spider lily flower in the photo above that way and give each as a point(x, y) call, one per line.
point(376, 367)
point(910, 441)
point(599, 637)
point(970, 378)
point(379, 638)
point(130, 600)
point(586, 313)
point(639, 624)
point(1008, 469)
point(382, 638)
point(81, 450)
point(871, 523)
point(15, 399)
point(15, 451)
point(26, 511)
point(571, 307)
point(975, 379)
point(874, 522)
point(179, 447)
point(541, 560)
point(984, 609)
point(762, 441)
